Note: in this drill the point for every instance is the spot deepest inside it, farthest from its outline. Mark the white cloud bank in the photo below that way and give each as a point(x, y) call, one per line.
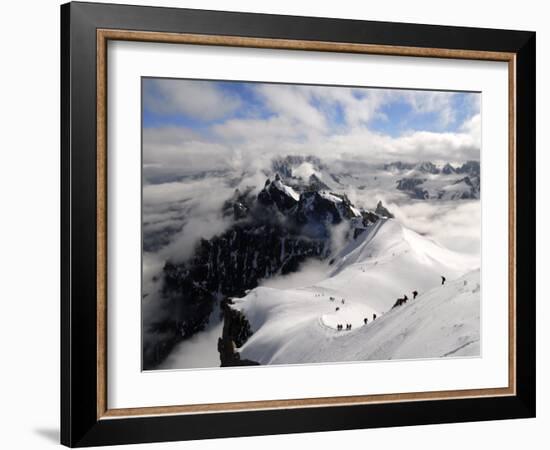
point(195, 98)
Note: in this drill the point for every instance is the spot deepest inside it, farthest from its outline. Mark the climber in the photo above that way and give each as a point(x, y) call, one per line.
point(415, 293)
point(443, 279)
point(365, 320)
point(374, 317)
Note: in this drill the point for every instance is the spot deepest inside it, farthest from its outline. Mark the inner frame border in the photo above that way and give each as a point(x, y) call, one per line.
point(104, 35)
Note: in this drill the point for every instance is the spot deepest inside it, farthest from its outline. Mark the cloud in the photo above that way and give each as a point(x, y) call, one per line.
point(191, 208)
point(454, 224)
point(292, 103)
point(323, 108)
point(250, 145)
point(198, 99)
point(472, 127)
point(198, 352)
point(424, 102)
point(305, 171)
point(175, 151)
point(339, 236)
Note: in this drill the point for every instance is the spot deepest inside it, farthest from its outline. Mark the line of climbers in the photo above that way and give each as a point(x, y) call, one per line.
point(399, 302)
point(402, 301)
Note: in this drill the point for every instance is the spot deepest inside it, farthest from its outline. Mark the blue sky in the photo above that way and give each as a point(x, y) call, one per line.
point(204, 124)
point(396, 112)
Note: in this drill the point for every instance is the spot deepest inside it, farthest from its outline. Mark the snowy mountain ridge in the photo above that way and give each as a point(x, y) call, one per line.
point(388, 261)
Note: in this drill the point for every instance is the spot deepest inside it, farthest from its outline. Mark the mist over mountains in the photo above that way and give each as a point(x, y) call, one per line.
point(239, 236)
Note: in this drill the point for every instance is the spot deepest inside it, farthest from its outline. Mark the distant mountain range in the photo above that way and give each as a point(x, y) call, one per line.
point(421, 181)
point(425, 181)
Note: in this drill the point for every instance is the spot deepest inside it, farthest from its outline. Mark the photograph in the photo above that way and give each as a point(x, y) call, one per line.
point(308, 224)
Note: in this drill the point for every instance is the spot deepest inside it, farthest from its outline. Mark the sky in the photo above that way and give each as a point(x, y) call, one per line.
point(195, 125)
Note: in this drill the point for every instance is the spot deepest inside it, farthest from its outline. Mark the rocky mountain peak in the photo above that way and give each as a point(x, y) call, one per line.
point(278, 194)
point(381, 210)
point(427, 167)
point(448, 169)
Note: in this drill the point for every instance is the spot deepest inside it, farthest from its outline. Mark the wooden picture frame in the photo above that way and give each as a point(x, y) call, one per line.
point(86, 418)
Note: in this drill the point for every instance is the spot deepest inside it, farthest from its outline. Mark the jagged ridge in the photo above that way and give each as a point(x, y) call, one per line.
point(274, 232)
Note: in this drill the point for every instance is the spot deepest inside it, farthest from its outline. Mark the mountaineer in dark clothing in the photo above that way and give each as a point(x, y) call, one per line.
point(365, 320)
point(414, 294)
point(405, 298)
point(374, 317)
point(443, 279)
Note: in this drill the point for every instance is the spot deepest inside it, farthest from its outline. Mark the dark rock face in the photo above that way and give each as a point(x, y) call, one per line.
point(413, 186)
point(381, 210)
point(448, 169)
point(317, 209)
point(236, 331)
point(409, 184)
point(427, 167)
point(226, 265)
point(473, 183)
point(367, 219)
point(278, 194)
point(470, 167)
point(271, 235)
point(239, 204)
point(315, 184)
point(323, 209)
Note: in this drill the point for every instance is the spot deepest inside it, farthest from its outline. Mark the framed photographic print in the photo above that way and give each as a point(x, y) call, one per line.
point(276, 224)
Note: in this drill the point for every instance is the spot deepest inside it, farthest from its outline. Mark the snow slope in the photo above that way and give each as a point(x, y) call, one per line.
point(385, 262)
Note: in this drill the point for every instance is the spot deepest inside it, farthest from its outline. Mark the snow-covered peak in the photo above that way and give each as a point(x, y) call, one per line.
point(330, 197)
point(426, 167)
point(470, 167)
point(448, 169)
point(382, 211)
point(287, 190)
point(277, 193)
point(301, 325)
